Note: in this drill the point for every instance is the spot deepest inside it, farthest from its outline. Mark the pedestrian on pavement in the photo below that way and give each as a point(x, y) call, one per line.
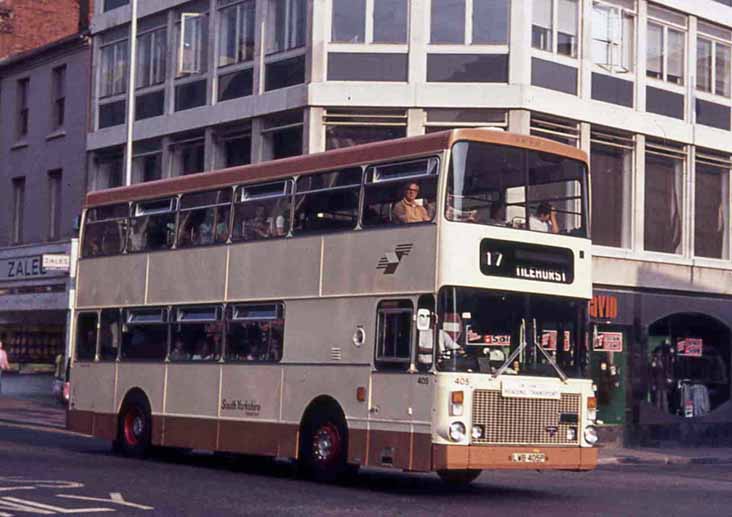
point(4, 365)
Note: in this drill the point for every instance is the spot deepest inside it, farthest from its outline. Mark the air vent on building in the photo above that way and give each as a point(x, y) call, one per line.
point(555, 128)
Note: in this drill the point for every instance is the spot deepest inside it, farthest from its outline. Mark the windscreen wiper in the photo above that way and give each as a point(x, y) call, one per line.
point(515, 353)
point(548, 356)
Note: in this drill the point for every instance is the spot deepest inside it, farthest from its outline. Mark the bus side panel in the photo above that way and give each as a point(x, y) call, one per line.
point(112, 281)
point(92, 409)
point(395, 260)
point(204, 271)
point(191, 404)
point(150, 378)
point(250, 410)
point(256, 269)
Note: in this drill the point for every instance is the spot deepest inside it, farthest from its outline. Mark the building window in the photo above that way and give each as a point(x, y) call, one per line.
point(666, 45)
point(114, 69)
point(18, 209)
point(59, 97)
point(611, 163)
point(113, 4)
point(555, 128)
point(22, 107)
point(192, 43)
point(55, 187)
point(286, 23)
point(151, 51)
point(187, 156)
point(711, 205)
point(713, 56)
point(389, 21)
point(559, 38)
point(147, 159)
point(476, 22)
point(109, 167)
point(348, 127)
point(236, 32)
point(613, 35)
point(234, 147)
point(665, 163)
point(442, 119)
point(282, 136)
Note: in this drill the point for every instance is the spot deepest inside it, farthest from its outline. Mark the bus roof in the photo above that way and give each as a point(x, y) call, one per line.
point(339, 158)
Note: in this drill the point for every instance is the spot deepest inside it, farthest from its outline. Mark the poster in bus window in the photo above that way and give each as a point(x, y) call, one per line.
point(609, 342)
point(549, 340)
point(567, 341)
point(690, 347)
point(497, 340)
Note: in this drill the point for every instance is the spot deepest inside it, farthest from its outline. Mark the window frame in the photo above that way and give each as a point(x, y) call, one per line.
point(127, 321)
point(157, 70)
point(177, 318)
point(469, 7)
point(95, 352)
point(617, 47)
point(403, 306)
point(23, 108)
point(117, 68)
point(239, 7)
point(58, 96)
point(368, 26)
point(554, 31)
point(715, 41)
point(667, 26)
point(230, 318)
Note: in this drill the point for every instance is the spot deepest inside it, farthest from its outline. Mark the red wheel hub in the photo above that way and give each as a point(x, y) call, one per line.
point(327, 444)
point(134, 426)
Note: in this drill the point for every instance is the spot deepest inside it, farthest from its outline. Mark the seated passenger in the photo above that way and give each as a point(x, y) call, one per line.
point(258, 227)
point(408, 210)
point(497, 214)
point(178, 353)
point(203, 352)
point(545, 219)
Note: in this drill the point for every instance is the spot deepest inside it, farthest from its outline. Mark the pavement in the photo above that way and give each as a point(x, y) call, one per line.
point(27, 399)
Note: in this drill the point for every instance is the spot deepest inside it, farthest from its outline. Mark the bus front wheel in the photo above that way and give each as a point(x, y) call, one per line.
point(458, 478)
point(323, 447)
point(134, 427)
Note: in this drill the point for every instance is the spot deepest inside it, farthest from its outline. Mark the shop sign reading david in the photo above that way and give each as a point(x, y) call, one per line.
point(34, 266)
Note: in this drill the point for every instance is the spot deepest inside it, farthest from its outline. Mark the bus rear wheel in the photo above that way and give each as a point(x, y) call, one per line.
point(134, 428)
point(323, 448)
point(458, 478)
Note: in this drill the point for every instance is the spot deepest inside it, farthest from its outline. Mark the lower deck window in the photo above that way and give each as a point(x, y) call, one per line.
point(394, 332)
point(145, 335)
point(255, 333)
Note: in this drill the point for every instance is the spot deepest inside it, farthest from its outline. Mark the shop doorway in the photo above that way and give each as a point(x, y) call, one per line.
point(608, 365)
point(688, 364)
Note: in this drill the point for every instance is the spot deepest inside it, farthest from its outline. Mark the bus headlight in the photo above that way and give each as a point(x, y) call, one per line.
point(457, 432)
point(477, 433)
point(591, 435)
point(572, 434)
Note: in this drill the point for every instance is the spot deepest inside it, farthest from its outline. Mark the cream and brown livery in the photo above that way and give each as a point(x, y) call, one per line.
point(333, 334)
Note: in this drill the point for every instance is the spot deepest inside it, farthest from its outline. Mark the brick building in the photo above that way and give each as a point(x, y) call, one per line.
point(28, 24)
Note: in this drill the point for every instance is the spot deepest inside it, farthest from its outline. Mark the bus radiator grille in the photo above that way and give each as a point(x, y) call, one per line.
point(519, 421)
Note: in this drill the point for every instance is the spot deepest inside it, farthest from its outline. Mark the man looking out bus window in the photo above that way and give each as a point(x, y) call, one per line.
point(545, 219)
point(408, 210)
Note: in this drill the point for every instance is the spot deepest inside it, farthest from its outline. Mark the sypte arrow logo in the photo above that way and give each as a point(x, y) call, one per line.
point(391, 260)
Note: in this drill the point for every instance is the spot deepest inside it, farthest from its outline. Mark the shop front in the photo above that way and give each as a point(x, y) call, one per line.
point(34, 305)
point(661, 364)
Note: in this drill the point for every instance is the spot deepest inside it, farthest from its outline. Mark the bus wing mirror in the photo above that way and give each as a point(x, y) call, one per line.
point(424, 320)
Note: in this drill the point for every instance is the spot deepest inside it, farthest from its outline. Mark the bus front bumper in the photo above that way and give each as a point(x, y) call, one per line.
point(460, 457)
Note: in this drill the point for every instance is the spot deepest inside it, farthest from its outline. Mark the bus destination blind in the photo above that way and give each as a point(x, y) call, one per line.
point(526, 261)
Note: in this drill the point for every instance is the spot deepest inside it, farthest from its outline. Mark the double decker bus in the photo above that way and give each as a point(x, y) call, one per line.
point(417, 304)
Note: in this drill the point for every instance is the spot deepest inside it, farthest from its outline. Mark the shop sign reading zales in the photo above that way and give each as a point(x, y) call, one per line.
point(526, 261)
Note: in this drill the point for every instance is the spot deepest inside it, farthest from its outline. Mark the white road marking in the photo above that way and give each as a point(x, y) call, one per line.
point(55, 509)
point(7, 505)
point(114, 497)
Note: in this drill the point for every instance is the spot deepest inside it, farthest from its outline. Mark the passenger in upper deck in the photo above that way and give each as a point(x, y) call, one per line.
point(408, 210)
point(545, 219)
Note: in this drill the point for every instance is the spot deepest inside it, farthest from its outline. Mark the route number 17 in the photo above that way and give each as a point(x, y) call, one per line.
point(493, 258)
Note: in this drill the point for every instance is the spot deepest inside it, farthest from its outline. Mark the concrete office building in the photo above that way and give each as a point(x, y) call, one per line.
point(643, 86)
point(43, 106)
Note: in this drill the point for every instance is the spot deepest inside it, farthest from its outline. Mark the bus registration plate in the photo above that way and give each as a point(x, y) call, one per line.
point(528, 457)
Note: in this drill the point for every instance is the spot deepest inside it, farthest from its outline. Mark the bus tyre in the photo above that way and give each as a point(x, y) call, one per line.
point(323, 446)
point(458, 478)
point(134, 428)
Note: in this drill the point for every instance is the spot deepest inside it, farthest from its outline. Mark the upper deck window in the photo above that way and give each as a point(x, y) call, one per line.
point(105, 231)
point(519, 188)
point(328, 201)
point(152, 226)
point(262, 211)
point(399, 193)
point(204, 218)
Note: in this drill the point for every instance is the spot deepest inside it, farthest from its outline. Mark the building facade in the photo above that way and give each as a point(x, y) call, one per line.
point(644, 87)
point(43, 106)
